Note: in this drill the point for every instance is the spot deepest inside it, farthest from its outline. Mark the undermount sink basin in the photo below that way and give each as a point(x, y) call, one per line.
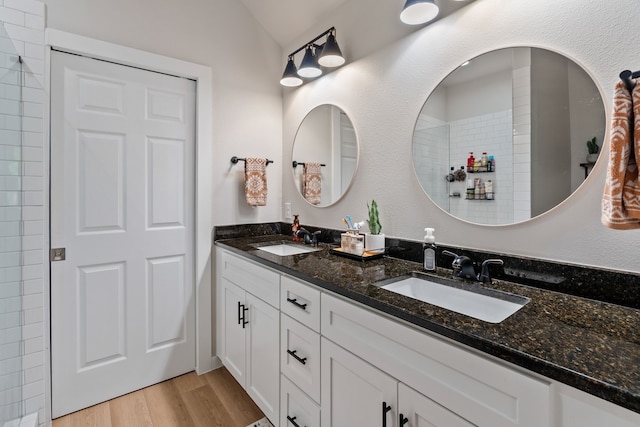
point(285, 248)
point(472, 300)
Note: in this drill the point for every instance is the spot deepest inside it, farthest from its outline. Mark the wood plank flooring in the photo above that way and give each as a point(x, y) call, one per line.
point(212, 399)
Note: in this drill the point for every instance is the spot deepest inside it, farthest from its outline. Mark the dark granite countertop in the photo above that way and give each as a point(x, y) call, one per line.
point(590, 345)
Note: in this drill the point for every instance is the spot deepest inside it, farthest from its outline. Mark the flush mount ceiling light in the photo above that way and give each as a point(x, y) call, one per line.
point(316, 58)
point(417, 12)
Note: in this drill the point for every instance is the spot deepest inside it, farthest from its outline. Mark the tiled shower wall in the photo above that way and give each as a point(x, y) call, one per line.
point(23, 22)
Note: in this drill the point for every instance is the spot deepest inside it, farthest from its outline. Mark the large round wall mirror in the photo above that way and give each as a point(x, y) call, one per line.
point(503, 138)
point(325, 155)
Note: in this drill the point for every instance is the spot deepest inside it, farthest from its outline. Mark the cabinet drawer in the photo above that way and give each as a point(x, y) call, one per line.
point(300, 301)
point(300, 356)
point(254, 278)
point(478, 389)
point(296, 409)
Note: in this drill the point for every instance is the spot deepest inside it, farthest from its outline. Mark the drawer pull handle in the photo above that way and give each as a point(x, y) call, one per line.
point(385, 408)
point(403, 420)
point(245, 322)
point(295, 302)
point(302, 360)
point(292, 420)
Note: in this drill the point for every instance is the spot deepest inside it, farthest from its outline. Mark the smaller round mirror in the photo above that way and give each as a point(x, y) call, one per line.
point(325, 155)
point(508, 135)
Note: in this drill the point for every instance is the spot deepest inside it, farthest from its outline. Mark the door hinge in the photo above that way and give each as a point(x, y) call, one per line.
point(57, 254)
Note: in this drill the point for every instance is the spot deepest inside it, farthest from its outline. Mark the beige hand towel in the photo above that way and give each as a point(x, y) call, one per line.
point(621, 198)
point(255, 181)
point(312, 182)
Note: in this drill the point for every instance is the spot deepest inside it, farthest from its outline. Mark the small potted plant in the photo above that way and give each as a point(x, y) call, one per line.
point(593, 148)
point(374, 240)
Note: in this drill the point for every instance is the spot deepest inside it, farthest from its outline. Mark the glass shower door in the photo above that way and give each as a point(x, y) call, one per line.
point(11, 226)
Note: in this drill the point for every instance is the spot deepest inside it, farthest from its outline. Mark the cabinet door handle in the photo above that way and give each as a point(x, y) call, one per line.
point(292, 420)
point(239, 313)
point(403, 420)
point(302, 360)
point(245, 322)
point(295, 302)
point(385, 408)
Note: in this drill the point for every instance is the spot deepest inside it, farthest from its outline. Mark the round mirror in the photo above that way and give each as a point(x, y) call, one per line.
point(325, 155)
point(503, 138)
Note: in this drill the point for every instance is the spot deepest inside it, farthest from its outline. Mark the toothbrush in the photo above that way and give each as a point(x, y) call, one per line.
point(349, 223)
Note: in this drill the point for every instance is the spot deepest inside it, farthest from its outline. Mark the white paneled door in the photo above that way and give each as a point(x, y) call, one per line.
point(122, 205)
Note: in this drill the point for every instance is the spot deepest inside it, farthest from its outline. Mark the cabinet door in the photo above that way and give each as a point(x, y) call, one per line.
point(419, 411)
point(234, 331)
point(263, 362)
point(355, 393)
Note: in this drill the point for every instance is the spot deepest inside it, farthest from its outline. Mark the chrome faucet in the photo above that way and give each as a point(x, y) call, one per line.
point(308, 237)
point(464, 268)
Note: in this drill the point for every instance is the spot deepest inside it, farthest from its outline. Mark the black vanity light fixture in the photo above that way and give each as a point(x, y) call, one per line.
point(417, 12)
point(316, 56)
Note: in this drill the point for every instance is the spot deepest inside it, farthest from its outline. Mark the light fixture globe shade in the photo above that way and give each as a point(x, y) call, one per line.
point(417, 12)
point(290, 76)
point(331, 55)
point(309, 66)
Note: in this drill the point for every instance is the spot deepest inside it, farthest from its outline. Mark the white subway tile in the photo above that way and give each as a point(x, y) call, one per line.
point(10, 259)
point(32, 139)
point(10, 320)
point(31, 109)
point(12, 16)
point(32, 243)
point(30, 213)
point(33, 168)
point(33, 345)
point(33, 78)
point(10, 198)
point(35, 404)
point(32, 286)
point(32, 272)
point(32, 360)
point(32, 154)
point(32, 331)
point(33, 374)
point(30, 6)
point(9, 244)
point(33, 198)
point(32, 183)
point(35, 51)
point(9, 290)
point(10, 305)
point(10, 229)
point(9, 137)
point(32, 124)
point(33, 316)
point(29, 35)
point(35, 22)
point(13, 123)
point(30, 94)
point(32, 257)
point(32, 301)
point(31, 228)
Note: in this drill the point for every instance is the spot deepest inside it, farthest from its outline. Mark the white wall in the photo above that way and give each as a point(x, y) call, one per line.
point(247, 117)
point(383, 93)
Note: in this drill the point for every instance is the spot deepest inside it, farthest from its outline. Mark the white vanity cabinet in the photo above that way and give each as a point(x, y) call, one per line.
point(310, 358)
point(248, 301)
point(472, 388)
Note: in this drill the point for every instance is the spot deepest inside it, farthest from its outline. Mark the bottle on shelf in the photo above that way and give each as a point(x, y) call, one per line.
point(492, 163)
point(470, 162)
point(484, 162)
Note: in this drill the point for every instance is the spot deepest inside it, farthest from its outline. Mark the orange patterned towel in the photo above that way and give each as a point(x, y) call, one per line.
point(621, 198)
point(255, 181)
point(312, 182)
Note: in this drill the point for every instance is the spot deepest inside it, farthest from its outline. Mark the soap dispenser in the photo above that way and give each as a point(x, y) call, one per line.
point(429, 250)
